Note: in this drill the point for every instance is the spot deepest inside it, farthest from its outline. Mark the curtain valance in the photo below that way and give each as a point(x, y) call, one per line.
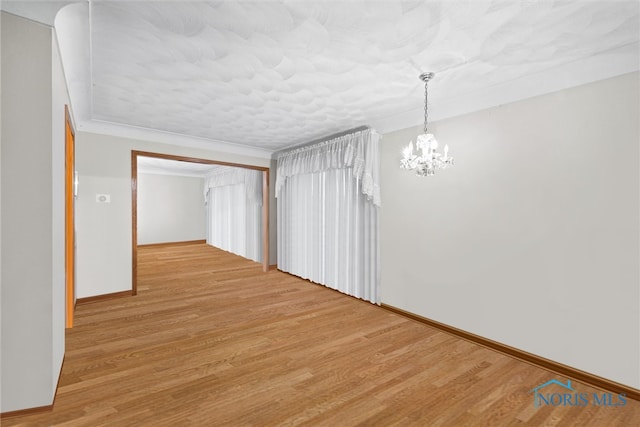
point(227, 175)
point(358, 150)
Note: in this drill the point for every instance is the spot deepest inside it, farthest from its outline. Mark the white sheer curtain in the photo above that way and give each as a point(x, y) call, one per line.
point(328, 202)
point(234, 211)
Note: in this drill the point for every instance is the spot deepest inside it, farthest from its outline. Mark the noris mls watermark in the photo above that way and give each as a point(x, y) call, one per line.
point(561, 394)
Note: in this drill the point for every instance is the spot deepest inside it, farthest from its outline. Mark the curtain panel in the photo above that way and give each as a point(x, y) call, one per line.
point(328, 207)
point(233, 198)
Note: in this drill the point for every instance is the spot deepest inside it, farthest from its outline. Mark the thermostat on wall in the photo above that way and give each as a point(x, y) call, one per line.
point(103, 198)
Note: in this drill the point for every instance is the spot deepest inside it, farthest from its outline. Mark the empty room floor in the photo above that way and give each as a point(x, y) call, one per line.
point(212, 340)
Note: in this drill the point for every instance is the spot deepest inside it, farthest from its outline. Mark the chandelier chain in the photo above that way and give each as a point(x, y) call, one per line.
point(426, 110)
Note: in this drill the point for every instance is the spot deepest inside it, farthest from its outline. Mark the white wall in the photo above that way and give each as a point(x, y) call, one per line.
point(60, 98)
point(104, 230)
point(532, 239)
point(170, 208)
point(32, 342)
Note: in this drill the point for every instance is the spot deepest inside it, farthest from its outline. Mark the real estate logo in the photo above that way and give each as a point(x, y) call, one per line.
point(568, 396)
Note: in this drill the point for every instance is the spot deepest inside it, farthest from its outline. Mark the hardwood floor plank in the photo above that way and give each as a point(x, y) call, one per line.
point(212, 340)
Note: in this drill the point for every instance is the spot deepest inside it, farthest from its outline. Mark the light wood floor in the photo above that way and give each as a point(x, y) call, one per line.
point(211, 340)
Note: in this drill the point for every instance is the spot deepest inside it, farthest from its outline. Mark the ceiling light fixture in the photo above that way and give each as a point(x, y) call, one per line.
point(426, 163)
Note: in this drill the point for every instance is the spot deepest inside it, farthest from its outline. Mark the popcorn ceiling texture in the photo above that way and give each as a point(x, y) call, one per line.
point(272, 74)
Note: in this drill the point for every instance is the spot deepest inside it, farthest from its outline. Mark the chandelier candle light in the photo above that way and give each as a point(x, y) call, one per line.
point(426, 163)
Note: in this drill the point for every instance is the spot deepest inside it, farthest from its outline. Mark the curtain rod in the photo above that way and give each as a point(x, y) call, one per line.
point(323, 139)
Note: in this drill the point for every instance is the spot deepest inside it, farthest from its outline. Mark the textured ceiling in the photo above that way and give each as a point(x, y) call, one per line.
point(272, 74)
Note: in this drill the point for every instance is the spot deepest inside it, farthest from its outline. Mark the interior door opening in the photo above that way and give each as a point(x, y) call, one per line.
point(135, 155)
point(70, 193)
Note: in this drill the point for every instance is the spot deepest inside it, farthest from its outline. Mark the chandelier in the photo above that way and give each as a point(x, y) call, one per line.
point(429, 160)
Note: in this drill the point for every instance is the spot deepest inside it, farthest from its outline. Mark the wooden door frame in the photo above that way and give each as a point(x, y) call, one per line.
point(134, 204)
point(69, 221)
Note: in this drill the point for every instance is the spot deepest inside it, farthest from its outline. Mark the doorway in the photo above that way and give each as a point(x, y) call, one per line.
point(134, 202)
point(69, 221)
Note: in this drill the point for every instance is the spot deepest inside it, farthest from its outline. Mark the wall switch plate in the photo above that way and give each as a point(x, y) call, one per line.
point(103, 198)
